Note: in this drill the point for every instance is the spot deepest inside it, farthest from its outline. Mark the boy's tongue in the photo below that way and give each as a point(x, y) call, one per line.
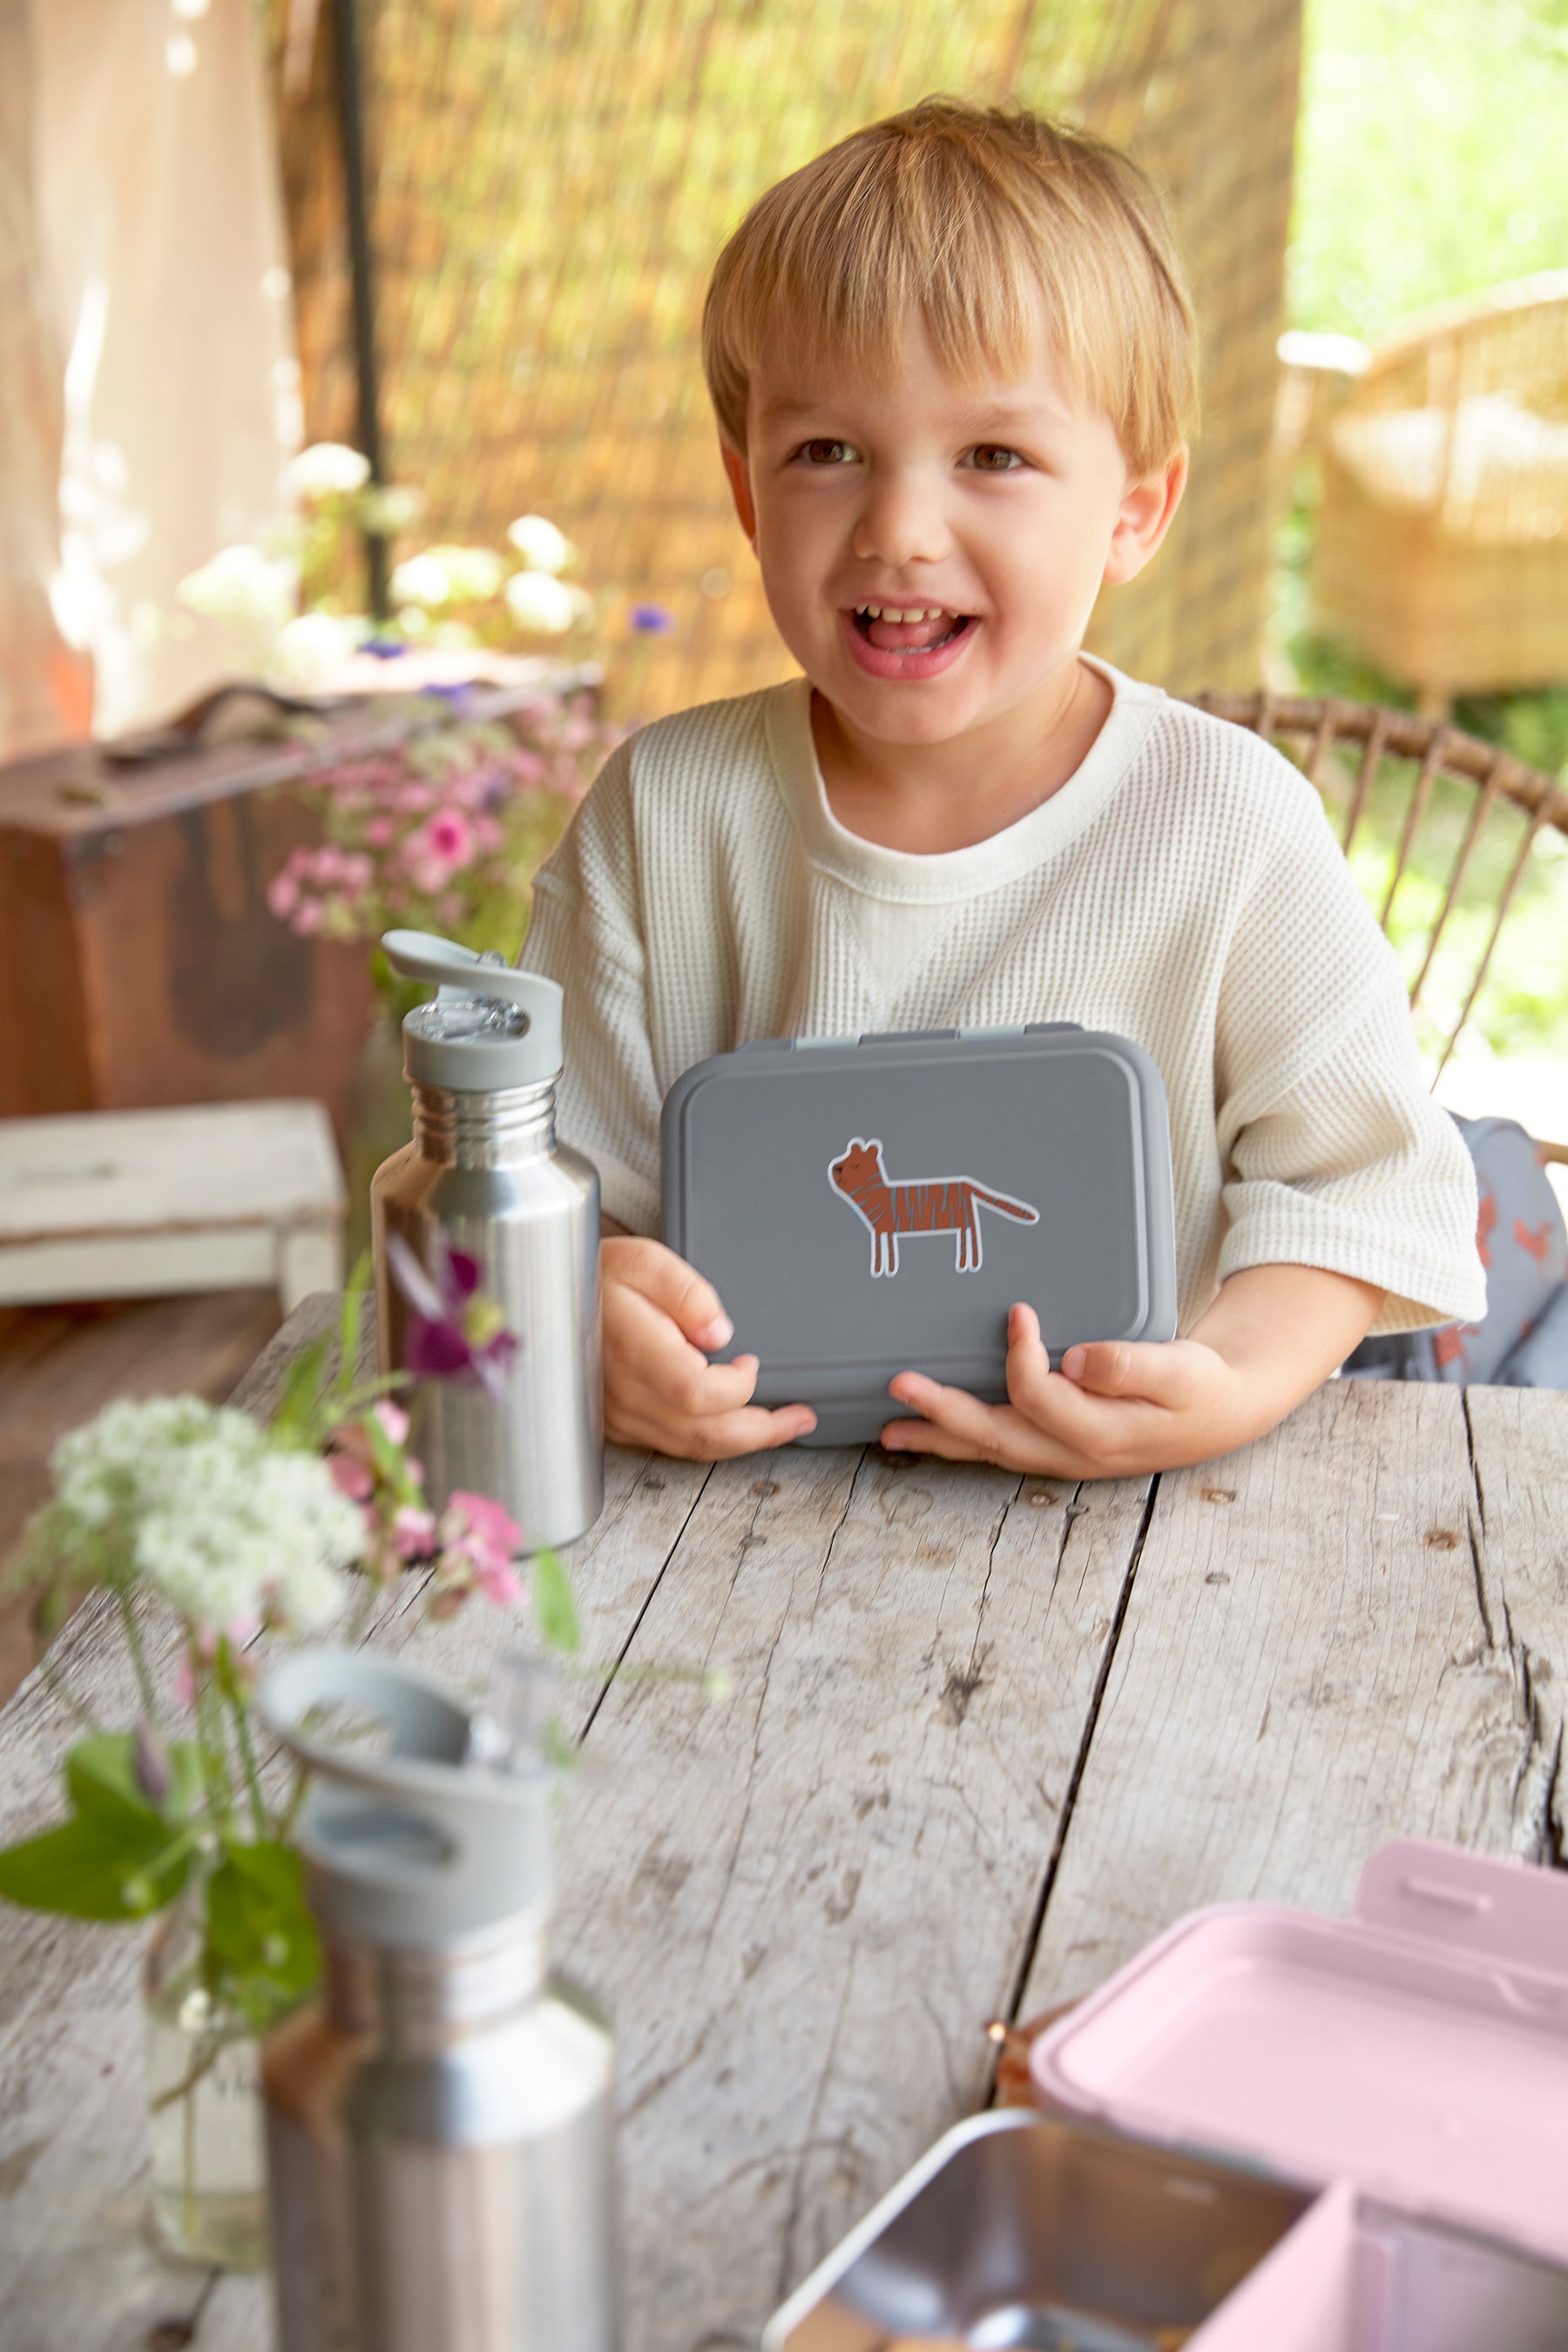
point(889, 634)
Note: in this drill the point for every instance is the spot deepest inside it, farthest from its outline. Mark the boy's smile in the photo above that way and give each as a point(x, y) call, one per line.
point(993, 511)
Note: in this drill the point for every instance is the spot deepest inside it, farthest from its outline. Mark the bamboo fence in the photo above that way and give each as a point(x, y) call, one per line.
point(550, 181)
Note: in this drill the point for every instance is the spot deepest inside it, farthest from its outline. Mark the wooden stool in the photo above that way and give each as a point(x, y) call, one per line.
point(133, 1203)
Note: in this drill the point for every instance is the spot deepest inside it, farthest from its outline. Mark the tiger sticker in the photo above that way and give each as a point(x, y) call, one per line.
point(895, 1212)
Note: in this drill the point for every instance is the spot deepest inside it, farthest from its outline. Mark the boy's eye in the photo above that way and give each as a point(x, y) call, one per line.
point(811, 449)
point(992, 449)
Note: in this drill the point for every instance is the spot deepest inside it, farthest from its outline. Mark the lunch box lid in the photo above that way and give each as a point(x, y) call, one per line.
point(868, 1205)
point(1419, 2048)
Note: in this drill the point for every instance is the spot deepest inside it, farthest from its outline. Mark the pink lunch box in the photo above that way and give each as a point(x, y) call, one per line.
point(1411, 2062)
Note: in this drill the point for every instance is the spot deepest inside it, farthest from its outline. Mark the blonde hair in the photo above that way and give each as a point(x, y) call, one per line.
point(958, 212)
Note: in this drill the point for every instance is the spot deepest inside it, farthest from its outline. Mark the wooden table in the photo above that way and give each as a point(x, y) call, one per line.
point(988, 1735)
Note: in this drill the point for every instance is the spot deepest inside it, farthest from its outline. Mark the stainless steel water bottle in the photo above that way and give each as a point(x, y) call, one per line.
point(485, 1177)
point(438, 2126)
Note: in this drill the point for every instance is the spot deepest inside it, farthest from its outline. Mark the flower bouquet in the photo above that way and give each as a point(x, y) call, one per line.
point(214, 1535)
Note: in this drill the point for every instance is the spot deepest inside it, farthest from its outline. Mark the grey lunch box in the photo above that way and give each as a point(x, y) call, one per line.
point(867, 1206)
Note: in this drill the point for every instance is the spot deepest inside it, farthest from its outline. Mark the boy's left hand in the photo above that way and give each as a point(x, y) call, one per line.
point(1118, 1407)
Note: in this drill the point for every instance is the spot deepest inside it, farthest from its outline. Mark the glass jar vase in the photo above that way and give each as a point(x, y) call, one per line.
point(203, 2099)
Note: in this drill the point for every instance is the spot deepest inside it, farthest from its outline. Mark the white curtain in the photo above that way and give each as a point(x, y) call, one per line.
point(165, 292)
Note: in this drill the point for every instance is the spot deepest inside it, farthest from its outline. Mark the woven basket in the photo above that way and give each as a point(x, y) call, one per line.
point(1441, 535)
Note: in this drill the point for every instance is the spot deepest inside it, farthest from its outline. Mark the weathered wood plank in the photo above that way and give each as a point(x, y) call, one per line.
point(1305, 1669)
point(802, 1907)
point(74, 2265)
point(1519, 1448)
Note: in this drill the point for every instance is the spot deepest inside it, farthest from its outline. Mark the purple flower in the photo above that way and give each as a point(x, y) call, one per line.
point(455, 1331)
point(653, 619)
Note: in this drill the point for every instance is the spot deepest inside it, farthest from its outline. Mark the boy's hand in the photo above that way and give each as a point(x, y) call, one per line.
point(1118, 1408)
point(659, 1389)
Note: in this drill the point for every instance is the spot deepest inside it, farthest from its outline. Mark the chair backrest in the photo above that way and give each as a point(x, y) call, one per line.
point(1464, 414)
point(1445, 833)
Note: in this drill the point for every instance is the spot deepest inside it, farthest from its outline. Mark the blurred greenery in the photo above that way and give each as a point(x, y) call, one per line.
point(1432, 162)
point(1432, 157)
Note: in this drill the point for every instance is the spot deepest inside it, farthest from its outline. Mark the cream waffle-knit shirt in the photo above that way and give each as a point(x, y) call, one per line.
point(1181, 888)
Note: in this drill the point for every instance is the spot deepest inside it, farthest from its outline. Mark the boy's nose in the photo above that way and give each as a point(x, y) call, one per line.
point(900, 521)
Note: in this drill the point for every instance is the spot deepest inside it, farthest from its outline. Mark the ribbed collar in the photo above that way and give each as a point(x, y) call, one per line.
point(1045, 832)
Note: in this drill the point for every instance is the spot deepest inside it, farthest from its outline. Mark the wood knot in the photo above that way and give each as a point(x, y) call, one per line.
point(764, 1487)
point(1440, 1539)
point(169, 2336)
point(1219, 1493)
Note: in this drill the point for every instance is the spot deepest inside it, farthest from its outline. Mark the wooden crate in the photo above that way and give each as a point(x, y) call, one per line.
point(139, 960)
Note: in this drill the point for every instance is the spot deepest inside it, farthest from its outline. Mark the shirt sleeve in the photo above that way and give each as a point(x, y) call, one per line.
point(584, 933)
point(1334, 1153)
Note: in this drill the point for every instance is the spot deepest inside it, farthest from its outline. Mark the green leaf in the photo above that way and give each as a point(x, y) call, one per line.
point(102, 1865)
point(301, 1391)
point(261, 1946)
point(349, 1324)
point(101, 1779)
point(554, 1608)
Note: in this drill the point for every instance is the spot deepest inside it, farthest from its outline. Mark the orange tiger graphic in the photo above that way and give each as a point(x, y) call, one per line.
point(942, 1204)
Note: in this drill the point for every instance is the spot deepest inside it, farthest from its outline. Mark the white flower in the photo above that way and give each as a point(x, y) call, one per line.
point(244, 590)
point(326, 470)
point(541, 546)
point(390, 509)
point(420, 580)
point(537, 602)
point(313, 645)
point(226, 1526)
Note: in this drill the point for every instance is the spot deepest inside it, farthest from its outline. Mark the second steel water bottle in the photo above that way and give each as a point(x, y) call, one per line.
point(485, 1188)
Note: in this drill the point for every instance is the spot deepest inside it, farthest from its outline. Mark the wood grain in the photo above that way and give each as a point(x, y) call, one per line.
point(1519, 1451)
point(801, 1907)
point(987, 1736)
point(1308, 1667)
point(76, 2265)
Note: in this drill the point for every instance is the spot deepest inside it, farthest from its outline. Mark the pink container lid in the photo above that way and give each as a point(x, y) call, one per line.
point(1419, 2048)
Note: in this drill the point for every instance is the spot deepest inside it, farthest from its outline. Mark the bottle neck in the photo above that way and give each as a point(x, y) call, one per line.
point(418, 2002)
point(485, 1131)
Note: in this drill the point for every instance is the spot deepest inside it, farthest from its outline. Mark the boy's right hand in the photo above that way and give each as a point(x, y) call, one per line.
point(660, 1391)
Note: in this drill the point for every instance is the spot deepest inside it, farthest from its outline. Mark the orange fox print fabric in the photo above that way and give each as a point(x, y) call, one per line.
point(937, 1205)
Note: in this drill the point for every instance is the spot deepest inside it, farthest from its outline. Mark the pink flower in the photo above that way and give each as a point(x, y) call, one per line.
point(350, 1477)
point(283, 893)
point(307, 919)
point(450, 836)
point(414, 1531)
point(478, 1538)
point(392, 1419)
point(378, 831)
point(433, 855)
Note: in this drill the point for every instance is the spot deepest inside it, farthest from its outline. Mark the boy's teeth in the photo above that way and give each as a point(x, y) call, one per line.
point(891, 612)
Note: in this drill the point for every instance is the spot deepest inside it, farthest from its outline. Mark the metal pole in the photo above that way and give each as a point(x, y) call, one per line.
point(351, 134)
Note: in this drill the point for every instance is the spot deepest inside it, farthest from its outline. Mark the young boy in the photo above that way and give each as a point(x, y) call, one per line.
point(952, 366)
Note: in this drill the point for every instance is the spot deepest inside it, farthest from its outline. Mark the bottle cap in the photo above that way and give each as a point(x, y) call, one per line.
point(488, 1026)
point(414, 1847)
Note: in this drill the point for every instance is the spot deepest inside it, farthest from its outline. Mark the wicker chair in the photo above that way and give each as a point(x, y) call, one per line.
point(1441, 830)
point(1441, 548)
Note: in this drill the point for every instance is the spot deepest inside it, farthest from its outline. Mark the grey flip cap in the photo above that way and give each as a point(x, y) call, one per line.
point(411, 1849)
point(477, 1055)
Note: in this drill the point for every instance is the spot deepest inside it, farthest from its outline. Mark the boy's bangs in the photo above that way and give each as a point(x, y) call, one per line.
point(945, 216)
point(977, 295)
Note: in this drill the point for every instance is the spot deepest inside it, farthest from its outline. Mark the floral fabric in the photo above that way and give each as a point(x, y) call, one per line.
point(1521, 1341)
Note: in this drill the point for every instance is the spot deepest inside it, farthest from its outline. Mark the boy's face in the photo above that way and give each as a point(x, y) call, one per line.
point(1005, 504)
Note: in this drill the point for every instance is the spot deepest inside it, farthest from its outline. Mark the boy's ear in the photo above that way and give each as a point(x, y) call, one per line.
point(739, 487)
point(1147, 509)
